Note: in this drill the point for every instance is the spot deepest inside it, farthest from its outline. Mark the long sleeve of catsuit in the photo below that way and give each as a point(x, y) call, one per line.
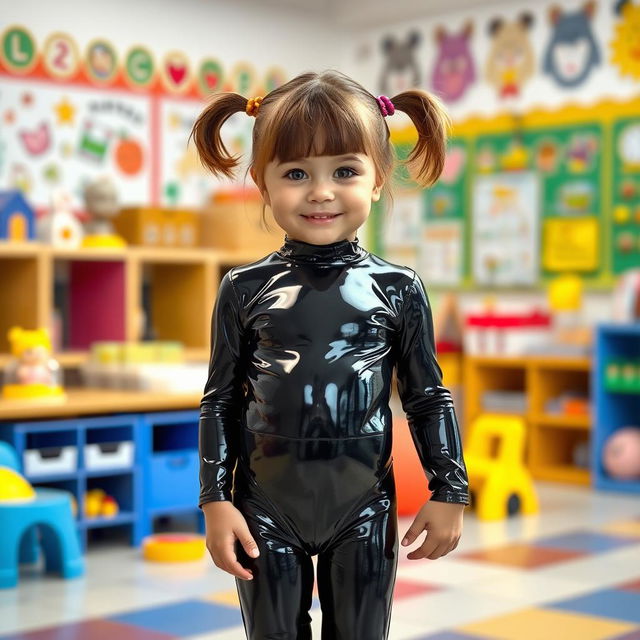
point(221, 406)
point(426, 402)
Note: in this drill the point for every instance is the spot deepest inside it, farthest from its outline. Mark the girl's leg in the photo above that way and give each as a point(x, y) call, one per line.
point(275, 604)
point(356, 577)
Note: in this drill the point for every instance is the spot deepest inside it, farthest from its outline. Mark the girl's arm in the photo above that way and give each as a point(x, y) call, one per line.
point(428, 405)
point(221, 405)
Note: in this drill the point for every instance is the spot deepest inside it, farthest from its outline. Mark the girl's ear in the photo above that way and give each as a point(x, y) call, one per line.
point(265, 195)
point(375, 194)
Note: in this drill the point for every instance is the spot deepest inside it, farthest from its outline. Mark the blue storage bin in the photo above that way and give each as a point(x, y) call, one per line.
point(173, 479)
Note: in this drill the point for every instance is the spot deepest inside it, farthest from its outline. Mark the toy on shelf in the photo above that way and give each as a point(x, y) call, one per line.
point(622, 375)
point(570, 334)
point(156, 227)
point(60, 227)
point(621, 454)
point(173, 547)
point(506, 334)
point(626, 297)
point(33, 373)
point(101, 203)
point(499, 482)
point(17, 218)
point(97, 504)
point(142, 366)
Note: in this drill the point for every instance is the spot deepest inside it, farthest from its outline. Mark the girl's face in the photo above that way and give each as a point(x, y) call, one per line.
point(321, 199)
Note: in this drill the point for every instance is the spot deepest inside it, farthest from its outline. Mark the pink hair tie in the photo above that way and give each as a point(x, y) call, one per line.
point(386, 106)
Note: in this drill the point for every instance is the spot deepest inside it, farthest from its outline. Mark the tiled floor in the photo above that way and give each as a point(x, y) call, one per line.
point(570, 573)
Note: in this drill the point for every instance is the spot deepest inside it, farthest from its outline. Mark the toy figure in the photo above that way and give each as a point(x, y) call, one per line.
point(101, 202)
point(295, 425)
point(60, 227)
point(33, 373)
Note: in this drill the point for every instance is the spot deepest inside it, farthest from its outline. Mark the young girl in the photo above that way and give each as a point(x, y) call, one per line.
point(295, 427)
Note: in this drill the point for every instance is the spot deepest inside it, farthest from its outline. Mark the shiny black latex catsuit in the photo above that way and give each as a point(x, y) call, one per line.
point(304, 343)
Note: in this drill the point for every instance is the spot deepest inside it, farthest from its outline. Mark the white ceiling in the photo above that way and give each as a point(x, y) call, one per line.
point(369, 13)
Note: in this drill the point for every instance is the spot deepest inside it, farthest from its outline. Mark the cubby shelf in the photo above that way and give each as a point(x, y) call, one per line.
point(113, 294)
point(614, 408)
point(161, 481)
point(552, 439)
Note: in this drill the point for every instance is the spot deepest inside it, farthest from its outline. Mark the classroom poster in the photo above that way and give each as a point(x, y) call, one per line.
point(504, 226)
point(63, 136)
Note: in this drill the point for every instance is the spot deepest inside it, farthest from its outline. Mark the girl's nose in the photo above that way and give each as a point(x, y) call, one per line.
point(320, 191)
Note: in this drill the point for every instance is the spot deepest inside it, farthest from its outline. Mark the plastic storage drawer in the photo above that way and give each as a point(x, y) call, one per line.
point(50, 460)
point(173, 480)
point(108, 455)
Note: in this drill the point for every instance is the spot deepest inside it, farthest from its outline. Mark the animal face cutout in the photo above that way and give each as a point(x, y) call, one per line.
point(572, 51)
point(511, 60)
point(625, 46)
point(400, 70)
point(454, 70)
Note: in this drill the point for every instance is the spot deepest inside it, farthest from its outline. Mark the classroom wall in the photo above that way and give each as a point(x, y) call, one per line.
point(367, 61)
point(68, 117)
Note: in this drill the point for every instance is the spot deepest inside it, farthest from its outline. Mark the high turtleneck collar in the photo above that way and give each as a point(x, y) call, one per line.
point(341, 252)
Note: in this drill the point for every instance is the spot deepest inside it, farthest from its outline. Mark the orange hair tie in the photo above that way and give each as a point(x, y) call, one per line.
point(253, 104)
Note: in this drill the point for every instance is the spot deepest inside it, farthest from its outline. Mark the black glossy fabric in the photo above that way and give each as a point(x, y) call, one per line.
point(304, 344)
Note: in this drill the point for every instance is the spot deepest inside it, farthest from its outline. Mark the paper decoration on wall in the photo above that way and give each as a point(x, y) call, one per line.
point(139, 67)
point(210, 76)
point(243, 79)
point(505, 239)
point(65, 112)
point(274, 78)
point(626, 42)
point(511, 59)
point(18, 50)
point(454, 71)
point(400, 70)
point(102, 61)
point(101, 132)
point(36, 141)
point(572, 51)
point(60, 56)
point(175, 72)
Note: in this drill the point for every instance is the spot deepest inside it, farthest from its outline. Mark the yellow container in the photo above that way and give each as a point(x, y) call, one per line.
point(157, 227)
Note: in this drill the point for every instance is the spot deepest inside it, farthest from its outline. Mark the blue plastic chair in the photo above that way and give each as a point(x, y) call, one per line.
point(50, 514)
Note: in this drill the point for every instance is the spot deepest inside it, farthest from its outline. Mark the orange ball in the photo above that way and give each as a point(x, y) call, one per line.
point(412, 488)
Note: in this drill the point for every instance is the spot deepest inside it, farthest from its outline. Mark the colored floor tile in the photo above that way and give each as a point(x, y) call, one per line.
point(525, 556)
point(630, 528)
point(608, 603)
point(587, 541)
point(448, 635)
point(408, 588)
point(228, 598)
point(634, 585)
point(184, 618)
point(90, 630)
point(634, 635)
point(534, 624)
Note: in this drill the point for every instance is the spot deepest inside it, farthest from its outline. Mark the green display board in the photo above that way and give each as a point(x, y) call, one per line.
point(625, 195)
point(567, 162)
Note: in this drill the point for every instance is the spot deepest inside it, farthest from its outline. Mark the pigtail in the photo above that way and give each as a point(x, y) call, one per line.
point(426, 160)
point(206, 133)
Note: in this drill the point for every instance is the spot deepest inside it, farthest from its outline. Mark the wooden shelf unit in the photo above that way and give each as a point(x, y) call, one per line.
point(551, 438)
point(102, 293)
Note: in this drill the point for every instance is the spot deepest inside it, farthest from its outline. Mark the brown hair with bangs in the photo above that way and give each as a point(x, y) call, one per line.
point(325, 113)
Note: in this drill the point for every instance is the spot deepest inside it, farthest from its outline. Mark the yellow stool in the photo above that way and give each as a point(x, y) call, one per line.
point(500, 484)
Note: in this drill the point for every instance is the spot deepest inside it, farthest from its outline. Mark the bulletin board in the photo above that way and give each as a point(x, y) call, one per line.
point(572, 179)
point(69, 116)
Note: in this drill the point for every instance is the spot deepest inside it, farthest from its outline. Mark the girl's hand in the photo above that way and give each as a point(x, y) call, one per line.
point(224, 523)
point(443, 523)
